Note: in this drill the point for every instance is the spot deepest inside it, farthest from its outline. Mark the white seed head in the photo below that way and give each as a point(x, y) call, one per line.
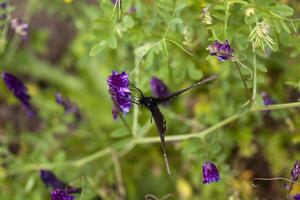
point(206, 16)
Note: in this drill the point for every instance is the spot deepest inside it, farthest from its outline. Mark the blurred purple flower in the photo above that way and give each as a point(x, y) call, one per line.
point(3, 10)
point(119, 91)
point(222, 51)
point(267, 99)
point(114, 1)
point(61, 194)
point(60, 190)
point(295, 173)
point(49, 179)
point(18, 88)
point(20, 28)
point(158, 87)
point(68, 106)
point(210, 173)
point(296, 197)
point(131, 10)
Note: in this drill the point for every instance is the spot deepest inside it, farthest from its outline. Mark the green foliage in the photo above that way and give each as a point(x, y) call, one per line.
point(72, 49)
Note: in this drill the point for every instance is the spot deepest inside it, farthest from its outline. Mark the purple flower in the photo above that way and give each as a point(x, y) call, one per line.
point(210, 173)
point(119, 91)
point(49, 179)
point(18, 88)
point(20, 28)
point(267, 99)
point(61, 194)
point(114, 1)
point(60, 190)
point(222, 51)
point(295, 173)
point(296, 197)
point(68, 106)
point(3, 7)
point(158, 88)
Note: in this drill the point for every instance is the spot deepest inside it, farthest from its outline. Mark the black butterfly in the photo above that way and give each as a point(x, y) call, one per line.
point(151, 103)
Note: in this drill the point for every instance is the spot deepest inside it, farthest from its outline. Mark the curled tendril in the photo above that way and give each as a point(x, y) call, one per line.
point(271, 179)
point(234, 59)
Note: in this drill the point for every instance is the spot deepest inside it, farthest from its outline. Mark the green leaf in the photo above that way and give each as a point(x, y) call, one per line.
point(97, 48)
point(128, 21)
point(285, 26)
point(194, 74)
point(118, 133)
point(176, 21)
point(112, 42)
point(282, 10)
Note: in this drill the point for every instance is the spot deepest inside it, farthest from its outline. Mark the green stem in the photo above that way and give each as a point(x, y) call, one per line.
point(124, 122)
point(276, 106)
point(226, 19)
point(191, 135)
point(243, 80)
point(254, 89)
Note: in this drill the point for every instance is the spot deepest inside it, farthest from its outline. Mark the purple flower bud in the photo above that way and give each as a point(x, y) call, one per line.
point(18, 88)
point(114, 2)
point(61, 194)
point(68, 106)
point(20, 28)
point(222, 51)
point(210, 173)
point(267, 99)
point(49, 179)
point(158, 88)
point(119, 91)
point(295, 173)
point(3, 7)
point(296, 197)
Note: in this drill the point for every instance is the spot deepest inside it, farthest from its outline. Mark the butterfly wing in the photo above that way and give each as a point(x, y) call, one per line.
point(171, 96)
point(160, 123)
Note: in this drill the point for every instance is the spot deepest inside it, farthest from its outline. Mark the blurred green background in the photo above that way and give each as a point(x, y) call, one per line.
point(74, 45)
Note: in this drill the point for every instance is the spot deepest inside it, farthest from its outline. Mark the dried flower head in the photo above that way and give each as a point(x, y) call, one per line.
point(210, 173)
point(20, 28)
point(158, 87)
point(206, 16)
point(18, 88)
point(295, 173)
point(120, 93)
point(249, 11)
point(260, 35)
point(222, 51)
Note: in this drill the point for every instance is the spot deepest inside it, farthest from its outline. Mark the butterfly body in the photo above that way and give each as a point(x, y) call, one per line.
point(151, 104)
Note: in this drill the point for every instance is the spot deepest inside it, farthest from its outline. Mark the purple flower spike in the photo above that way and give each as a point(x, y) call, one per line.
point(18, 88)
point(49, 179)
point(222, 51)
point(295, 173)
point(119, 91)
point(296, 197)
point(61, 194)
point(210, 173)
point(158, 88)
point(20, 28)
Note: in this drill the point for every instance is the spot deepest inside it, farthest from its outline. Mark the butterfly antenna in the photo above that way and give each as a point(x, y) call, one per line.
point(137, 89)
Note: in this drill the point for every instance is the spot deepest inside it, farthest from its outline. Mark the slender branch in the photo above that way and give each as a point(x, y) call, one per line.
point(243, 80)
point(118, 173)
point(277, 106)
point(191, 135)
point(254, 89)
point(124, 122)
point(172, 41)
